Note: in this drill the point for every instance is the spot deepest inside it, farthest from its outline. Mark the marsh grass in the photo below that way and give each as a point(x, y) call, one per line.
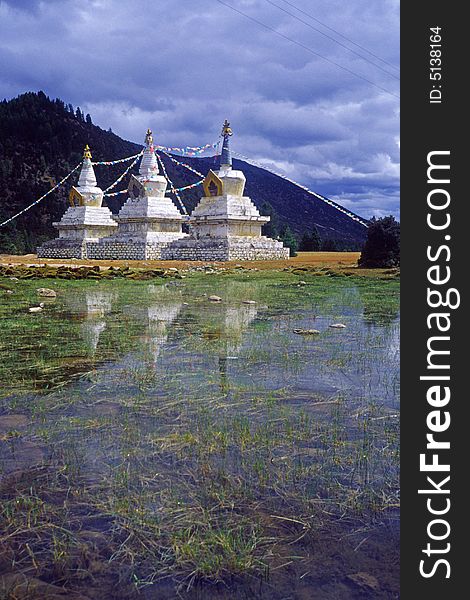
point(194, 442)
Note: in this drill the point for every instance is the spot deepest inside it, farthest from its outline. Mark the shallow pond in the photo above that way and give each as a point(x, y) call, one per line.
point(155, 442)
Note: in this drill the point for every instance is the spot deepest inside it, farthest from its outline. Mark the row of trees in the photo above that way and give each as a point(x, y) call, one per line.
point(310, 242)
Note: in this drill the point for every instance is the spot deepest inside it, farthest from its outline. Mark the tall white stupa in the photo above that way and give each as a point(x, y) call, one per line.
point(226, 225)
point(85, 222)
point(148, 221)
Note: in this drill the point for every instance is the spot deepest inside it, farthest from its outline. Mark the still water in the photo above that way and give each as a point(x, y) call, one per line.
point(218, 453)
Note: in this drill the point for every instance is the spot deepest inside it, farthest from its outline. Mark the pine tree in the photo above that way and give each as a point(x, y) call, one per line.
point(329, 245)
point(88, 119)
point(311, 242)
point(382, 246)
point(289, 240)
point(304, 245)
point(315, 240)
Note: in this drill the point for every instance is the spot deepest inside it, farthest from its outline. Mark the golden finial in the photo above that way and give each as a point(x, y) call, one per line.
point(87, 152)
point(226, 129)
point(149, 138)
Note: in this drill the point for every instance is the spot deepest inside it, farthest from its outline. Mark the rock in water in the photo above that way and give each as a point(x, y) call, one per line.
point(46, 292)
point(338, 326)
point(215, 298)
point(13, 421)
point(306, 331)
point(365, 582)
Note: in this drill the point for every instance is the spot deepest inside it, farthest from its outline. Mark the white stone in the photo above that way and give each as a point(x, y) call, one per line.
point(46, 292)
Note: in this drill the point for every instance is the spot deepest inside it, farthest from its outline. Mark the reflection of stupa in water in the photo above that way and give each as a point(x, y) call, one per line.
point(228, 320)
point(160, 318)
point(91, 331)
point(92, 305)
point(226, 324)
point(89, 303)
point(157, 317)
point(98, 302)
point(237, 320)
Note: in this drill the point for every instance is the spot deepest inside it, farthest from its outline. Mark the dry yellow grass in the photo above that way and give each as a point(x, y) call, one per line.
point(303, 259)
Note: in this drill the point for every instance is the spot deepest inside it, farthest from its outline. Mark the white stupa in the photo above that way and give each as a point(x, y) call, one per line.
point(148, 221)
point(85, 222)
point(226, 225)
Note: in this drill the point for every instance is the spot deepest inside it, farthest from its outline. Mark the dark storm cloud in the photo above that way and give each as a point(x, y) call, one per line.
point(182, 66)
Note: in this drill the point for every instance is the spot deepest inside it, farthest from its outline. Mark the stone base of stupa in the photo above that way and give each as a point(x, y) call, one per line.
point(79, 227)
point(226, 248)
point(118, 248)
point(146, 225)
point(62, 248)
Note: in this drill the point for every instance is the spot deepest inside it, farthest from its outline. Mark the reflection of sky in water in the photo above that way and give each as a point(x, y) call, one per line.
point(168, 343)
point(249, 347)
point(173, 332)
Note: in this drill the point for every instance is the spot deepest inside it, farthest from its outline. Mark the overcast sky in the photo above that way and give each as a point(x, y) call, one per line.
point(182, 66)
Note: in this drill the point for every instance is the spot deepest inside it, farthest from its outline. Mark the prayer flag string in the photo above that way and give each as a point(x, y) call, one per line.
point(42, 197)
point(183, 165)
point(121, 177)
point(306, 189)
point(107, 163)
point(173, 189)
point(188, 150)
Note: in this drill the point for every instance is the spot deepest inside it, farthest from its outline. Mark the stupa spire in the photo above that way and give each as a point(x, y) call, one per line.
point(148, 165)
point(87, 152)
point(226, 156)
point(87, 177)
